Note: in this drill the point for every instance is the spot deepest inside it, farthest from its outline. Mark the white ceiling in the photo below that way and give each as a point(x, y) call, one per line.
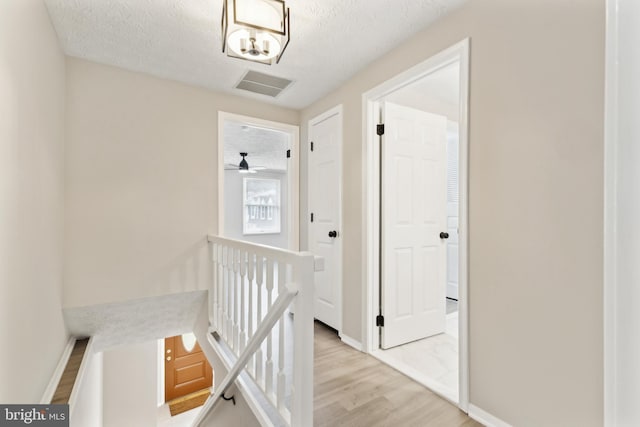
point(265, 147)
point(331, 40)
point(135, 321)
point(438, 93)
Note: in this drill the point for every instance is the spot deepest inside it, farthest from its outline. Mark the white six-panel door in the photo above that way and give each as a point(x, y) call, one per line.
point(414, 212)
point(452, 210)
point(325, 132)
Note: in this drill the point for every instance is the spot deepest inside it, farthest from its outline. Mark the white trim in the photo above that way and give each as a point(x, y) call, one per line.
point(57, 373)
point(458, 52)
point(337, 110)
point(610, 213)
point(463, 226)
point(351, 342)
point(161, 378)
point(293, 173)
point(485, 418)
point(84, 366)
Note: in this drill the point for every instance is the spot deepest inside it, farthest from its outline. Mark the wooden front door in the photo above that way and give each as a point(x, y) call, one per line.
point(186, 367)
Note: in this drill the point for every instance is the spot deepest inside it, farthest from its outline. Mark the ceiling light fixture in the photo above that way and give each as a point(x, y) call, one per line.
point(256, 30)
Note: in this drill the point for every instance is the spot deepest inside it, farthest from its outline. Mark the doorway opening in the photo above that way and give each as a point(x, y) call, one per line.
point(416, 225)
point(258, 181)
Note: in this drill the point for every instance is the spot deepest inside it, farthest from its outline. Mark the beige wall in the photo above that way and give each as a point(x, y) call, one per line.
point(536, 197)
point(141, 170)
point(32, 85)
point(130, 381)
point(88, 409)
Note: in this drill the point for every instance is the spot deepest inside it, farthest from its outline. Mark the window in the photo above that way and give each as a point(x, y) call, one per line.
point(261, 210)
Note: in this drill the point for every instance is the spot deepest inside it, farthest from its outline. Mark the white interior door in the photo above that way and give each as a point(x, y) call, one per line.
point(452, 210)
point(325, 173)
point(414, 213)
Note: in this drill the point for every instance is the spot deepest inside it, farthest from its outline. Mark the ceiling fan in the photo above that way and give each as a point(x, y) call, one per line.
point(243, 166)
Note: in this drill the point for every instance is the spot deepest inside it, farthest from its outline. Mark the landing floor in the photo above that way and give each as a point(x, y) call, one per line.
point(355, 389)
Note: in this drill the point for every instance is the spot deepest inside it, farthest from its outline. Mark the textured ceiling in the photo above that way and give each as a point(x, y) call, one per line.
point(265, 147)
point(135, 321)
point(180, 40)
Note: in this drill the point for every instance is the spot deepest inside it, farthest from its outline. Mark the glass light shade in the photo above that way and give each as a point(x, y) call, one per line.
point(267, 14)
point(256, 30)
point(268, 46)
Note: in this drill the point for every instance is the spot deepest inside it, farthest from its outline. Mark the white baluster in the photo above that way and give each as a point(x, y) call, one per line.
point(220, 281)
point(231, 290)
point(259, 282)
point(243, 300)
point(268, 374)
point(282, 267)
point(251, 306)
point(213, 295)
point(227, 293)
point(236, 302)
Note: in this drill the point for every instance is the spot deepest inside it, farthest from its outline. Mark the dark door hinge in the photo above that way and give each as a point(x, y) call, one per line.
point(379, 320)
point(312, 217)
point(380, 129)
point(288, 154)
point(311, 145)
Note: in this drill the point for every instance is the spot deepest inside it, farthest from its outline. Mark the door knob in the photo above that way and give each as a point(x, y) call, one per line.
point(169, 359)
point(333, 233)
point(444, 235)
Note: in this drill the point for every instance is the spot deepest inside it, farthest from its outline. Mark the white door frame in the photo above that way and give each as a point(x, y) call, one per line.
point(338, 242)
point(610, 284)
point(293, 173)
point(621, 208)
point(371, 201)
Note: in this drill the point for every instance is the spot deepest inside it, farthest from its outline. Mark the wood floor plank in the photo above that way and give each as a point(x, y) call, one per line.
point(65, 386)
point(353, 389)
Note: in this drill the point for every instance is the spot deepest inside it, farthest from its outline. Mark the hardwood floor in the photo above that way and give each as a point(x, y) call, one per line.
point(355, 389)
point(65, 386)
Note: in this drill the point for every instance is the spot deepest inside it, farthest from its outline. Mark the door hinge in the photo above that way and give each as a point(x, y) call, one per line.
point(312, 217)
point(288, 154)
point(380, 129)
point(379, 320)
point(311, 145)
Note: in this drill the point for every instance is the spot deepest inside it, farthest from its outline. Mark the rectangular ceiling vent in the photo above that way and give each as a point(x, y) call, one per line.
point(263, 84)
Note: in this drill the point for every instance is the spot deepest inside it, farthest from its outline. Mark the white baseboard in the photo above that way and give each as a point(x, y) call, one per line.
point(486, 418)
point(87, 359)
point(57, 374)
point(351, 342)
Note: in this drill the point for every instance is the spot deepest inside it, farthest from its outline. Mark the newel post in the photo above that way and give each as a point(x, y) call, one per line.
point(302, 405)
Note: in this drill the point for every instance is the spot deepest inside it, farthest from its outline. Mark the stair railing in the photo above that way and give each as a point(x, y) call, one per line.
point(253, 288)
